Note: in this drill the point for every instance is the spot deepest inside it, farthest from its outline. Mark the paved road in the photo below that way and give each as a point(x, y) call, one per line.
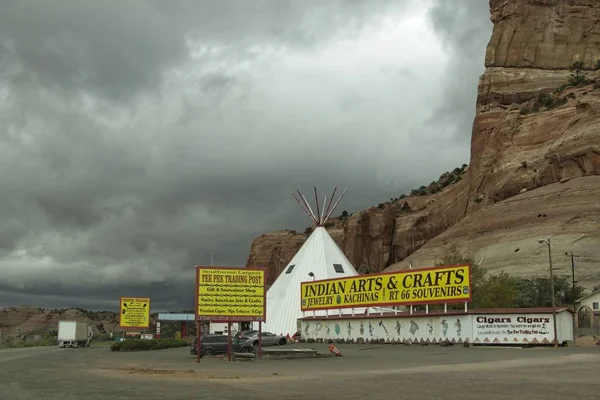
point(369, 372)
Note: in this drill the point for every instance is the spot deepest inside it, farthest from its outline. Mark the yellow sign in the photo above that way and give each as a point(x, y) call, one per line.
point(135, 313)
point(446, 284)
point(230, 294)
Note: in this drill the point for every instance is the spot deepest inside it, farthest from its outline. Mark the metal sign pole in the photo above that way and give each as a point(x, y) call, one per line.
point(198, 340)
point(229, 344)
point(259, 338)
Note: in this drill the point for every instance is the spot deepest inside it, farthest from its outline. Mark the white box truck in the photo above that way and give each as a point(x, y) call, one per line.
point(74, 334)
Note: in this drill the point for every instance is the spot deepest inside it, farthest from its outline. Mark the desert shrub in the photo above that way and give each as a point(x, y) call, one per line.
point(46, 340)
point(116, 346)
point(147, 345)
point(548, 101)
point(505, 291)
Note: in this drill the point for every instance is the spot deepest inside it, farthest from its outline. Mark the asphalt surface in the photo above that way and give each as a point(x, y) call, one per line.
point(369, 372)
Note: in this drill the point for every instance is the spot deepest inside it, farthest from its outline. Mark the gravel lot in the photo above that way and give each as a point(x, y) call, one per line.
point(367, 372)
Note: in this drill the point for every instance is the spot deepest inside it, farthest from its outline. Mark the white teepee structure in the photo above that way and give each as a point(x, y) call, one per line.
point(318, 258)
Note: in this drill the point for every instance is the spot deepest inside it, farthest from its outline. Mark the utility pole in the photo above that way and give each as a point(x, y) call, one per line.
point(547, 243)
point(552, 293)
point(573, 276)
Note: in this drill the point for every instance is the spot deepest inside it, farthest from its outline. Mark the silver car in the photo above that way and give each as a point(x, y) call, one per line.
point(268, 339)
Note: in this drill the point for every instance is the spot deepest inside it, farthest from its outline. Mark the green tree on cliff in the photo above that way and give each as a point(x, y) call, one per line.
point(505, 291)
point(496, 291)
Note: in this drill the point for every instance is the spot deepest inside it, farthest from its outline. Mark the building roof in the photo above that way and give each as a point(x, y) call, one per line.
point(588, 295)
point(322, 257)
point(176, 317)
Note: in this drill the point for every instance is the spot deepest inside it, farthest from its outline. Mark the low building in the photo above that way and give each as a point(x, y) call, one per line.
point(493, 326)
point(588, 310)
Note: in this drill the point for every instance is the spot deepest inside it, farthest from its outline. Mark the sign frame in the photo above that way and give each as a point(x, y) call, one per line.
point(398, 302)
point(121, 326)
point(230, 318)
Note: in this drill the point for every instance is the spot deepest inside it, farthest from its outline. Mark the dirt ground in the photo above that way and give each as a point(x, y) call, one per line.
point(364, 372)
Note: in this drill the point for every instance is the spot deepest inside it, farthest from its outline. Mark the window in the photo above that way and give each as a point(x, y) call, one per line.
point(214, 339)
point(338, 268)
point(595, 305)
point(291, 267)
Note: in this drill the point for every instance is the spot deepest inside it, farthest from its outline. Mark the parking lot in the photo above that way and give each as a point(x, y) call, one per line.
point(364, 372)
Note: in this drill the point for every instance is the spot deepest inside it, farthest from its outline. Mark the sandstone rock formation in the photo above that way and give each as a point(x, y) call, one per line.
point(535, 161)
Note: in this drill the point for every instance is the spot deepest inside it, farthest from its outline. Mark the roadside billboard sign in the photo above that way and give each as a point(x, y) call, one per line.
point(229, 294)
point(445, 284)
point(134, 313)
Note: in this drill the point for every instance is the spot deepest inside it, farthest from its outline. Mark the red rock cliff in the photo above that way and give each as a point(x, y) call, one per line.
point(535, 160)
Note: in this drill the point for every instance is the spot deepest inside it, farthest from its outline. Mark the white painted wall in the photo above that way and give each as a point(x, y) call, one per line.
point(564, 326)
point(433, 329)
point(521, 328)
point(592, 302)
point(222, 327)
point(438, 328)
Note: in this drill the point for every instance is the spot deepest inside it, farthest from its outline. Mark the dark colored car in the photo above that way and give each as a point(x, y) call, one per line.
point(244, 333)
point(268, 338)
point(217, 344)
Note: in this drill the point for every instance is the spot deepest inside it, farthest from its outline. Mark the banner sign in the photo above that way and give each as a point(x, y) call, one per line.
point(230, 294)
point(536, 328)
point(446, 284)
point(134, 313)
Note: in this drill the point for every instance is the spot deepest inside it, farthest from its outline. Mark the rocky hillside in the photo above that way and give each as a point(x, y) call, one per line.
point(534, 169)
point(27, 321)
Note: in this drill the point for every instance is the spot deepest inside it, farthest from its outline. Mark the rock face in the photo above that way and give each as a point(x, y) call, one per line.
point(535, 160)
point(275, 250)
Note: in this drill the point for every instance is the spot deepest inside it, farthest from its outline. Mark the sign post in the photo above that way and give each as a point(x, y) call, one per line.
point(229, 344)
point(260, 339)
point(134, 313)
point(228, 294)
point(198, 341)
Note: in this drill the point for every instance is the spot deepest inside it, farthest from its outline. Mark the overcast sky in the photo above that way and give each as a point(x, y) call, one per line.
point(138, 137)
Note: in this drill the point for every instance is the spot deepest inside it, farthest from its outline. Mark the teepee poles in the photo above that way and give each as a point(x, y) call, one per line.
point(305, 209)
point(310, 209)
point(323, 211)
point(330, 201)
point(317, 203)
point(323, 214)
point(335, 205)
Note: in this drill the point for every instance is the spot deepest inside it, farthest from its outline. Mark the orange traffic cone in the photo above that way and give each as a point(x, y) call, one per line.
point(334, 350)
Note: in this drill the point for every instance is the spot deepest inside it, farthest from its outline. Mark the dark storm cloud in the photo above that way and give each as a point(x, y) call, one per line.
point(116, 48)
point(138, 137)
point(465, 29)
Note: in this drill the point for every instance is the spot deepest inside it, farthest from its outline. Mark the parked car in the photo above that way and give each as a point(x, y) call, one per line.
point(268, 339)
point(217, 344)
point(238, 334)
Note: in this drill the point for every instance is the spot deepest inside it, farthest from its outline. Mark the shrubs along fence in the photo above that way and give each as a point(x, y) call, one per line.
point(147, 345)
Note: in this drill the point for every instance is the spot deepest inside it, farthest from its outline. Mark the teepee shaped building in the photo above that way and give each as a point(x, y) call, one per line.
point(318, 258)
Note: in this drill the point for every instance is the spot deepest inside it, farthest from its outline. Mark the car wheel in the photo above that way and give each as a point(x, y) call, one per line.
point(282, 341)
point(255, 343)
point(245, 349)
point(208, 352)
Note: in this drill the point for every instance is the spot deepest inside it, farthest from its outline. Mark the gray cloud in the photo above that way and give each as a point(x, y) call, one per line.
point(465, 29)
point(137, 138)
